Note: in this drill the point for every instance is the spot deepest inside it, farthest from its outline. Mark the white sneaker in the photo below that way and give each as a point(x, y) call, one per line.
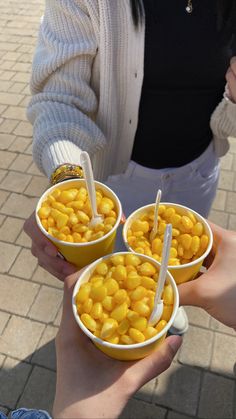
point(180, 324)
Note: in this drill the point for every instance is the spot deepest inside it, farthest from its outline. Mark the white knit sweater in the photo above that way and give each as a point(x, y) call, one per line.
point(86, 83)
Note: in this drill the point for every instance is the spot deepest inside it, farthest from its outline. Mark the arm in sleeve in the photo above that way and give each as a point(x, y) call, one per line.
point(63, 107)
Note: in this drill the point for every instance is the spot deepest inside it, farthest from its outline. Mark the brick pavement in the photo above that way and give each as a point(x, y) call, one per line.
point(201, 381)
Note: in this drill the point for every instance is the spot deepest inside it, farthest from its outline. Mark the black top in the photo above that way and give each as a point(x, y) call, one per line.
point(186, 59)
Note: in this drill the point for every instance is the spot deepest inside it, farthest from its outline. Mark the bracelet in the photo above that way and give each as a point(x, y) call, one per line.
point(66, 171)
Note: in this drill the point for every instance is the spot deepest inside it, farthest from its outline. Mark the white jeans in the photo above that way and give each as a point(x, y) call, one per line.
point(193, 185)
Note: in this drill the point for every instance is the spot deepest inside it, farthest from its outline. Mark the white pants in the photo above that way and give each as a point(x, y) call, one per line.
point(193, 185)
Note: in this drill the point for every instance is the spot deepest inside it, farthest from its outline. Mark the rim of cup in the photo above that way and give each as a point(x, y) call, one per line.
point(66, 182)
point(199, 217)
point(89, 270)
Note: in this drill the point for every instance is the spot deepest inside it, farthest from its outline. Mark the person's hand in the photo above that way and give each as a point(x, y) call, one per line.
point(215, 291)
point(46, 252)
point(91, 384)
point(231, 79)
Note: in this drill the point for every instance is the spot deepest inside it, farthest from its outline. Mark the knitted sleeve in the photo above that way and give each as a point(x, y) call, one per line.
point(223, 125)
point(63, 107)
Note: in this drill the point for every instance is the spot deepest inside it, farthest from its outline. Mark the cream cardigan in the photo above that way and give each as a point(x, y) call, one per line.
point(86, 82)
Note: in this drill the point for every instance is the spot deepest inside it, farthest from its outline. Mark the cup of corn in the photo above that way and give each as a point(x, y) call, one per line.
point(63, 214)
point(112, 302)
point(191, 243)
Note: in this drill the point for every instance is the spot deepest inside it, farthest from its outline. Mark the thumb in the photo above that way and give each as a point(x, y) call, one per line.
point(69, 283)
point(159, 361)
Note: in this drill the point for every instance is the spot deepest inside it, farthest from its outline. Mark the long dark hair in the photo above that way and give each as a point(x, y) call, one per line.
point(226, 13)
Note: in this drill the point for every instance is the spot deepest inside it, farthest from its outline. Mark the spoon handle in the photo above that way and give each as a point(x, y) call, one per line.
point(89, 179)
point(155, 224)
point(164, 263)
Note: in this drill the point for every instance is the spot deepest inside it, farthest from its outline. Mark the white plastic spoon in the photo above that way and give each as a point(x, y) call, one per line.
point(155, 224)
point(158, 303)
point(89, 179)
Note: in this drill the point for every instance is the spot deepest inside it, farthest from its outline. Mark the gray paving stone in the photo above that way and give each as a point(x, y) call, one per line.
point(136, 409)
point(19, 144)
point(24, 265)
point(2, 218)
point(34, 170)
point(232, 145)
point(3, 195)
point(223, 357)
point(24, 128)
point(178, 389)
point(197, 316)
point(21, 330)
point(232, 222)
point(43, 277)
point(10, 229)
point(4, 317)
point(226, 180)
point(40, 389)
point(176, 415)
point(220, 327)
point(21, 163)
point(196, 348)
point(220, 200)
point(3, 174)
point(7, 126)
point(16, 295)
point(46, 304)
point(231, 202)
point(19, 205)
point(57, 320)
point(37, 186)
point(8, 255)
point(6, 158)
point(219, 217)
point(146, 392)
point(2, 359)
point(13, 377)
point(15, 181)
point(45, 354)
point(216, 399)
point(24, 240)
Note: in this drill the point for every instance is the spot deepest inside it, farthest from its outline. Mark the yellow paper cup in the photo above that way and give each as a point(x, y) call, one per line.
point(81, 254)
point(181, 273)
point(125, 352)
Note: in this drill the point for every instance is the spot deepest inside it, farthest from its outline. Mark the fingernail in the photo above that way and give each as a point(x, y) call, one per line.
point(50, 251)
point(175, 342)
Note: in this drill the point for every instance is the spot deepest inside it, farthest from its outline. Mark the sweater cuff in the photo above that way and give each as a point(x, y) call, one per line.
point(57, 153)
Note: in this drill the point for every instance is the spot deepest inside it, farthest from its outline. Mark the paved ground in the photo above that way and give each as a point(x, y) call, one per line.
point(201, 382)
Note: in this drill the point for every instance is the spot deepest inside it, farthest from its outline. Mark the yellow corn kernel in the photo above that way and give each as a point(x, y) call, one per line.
point(184, 261)
point(186, 240)
point(88, 235)
point(157, 246)
point(187, 223)
point(197, 229)
point(195, 245)
point(111, 285)
point(136, 335)
point(139, 225)
point(119, 312)
point(102, 268)
point(148, 283)
point(174, 262)
point(67, 211)
point(146, 269)
point(98, 293)
point(139, 250)
point(76, 205)
point(117, 260)
point(139, 234)
point(62, 237)
point(89, 322)
point(126, 340)
point(82, 217)
point(104, 207)
point(107, 228)
point(96, 311)
point(73, 219)
point(65, 230)
point(188, 254)
point(44, 223)
point(192, 217)
point(108, 303)
point(131, 259)
point(161, 227)
point(132, 281)
point(120, 296)
point(61, 220)
point(175, 232)
point(132, 315)
point(169, 212)
point(69, 238)
point(97, 333)
point(53, 231)
point(160, 325)
point(51, 198)
point(168, 295)
point(141, 308)
point(58, 205)
point(140, 323)
point(79, 308)
point(45, 203)
point(173, 252)
point(156, 257)
point(96, 236)
point(109, 328)
point(139, 293)
point(51, 222)
point(83, 293)
point(123, 327)
point(82, 194)
point(180, 250)
point(175, 220)
point(174, 243)
point(87, 306)
point(67, 195)
point(79, 228)
point(76, 237)
point(120, 273)
point(44, 212)
point(167, 312)
point(110, 220)
point(97, 280)
point(104, 317)
point(204, 242)
point(114, 339)
point(150, 332)
point(56, 193)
